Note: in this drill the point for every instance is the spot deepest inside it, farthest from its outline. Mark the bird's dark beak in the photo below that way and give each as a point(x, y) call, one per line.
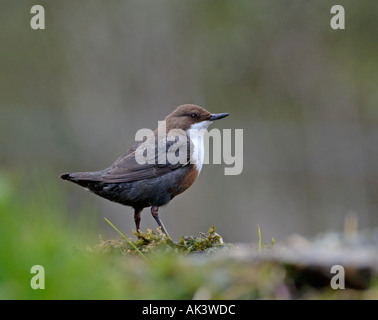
point(217, 116)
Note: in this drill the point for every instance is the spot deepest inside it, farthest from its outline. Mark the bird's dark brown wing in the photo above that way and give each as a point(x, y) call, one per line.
point(127, 169)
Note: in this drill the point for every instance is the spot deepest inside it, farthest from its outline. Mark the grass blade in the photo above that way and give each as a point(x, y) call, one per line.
point(259, 247)
point(124, 237)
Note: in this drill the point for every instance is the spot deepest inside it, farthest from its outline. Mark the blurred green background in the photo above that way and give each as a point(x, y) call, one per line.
point(73, 95)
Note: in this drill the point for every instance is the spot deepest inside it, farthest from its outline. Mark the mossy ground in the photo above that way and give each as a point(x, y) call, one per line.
point(150, 241)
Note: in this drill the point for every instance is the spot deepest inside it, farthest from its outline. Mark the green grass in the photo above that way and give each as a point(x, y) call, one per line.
point(128, 241)
point(261, 245)
point(35, 230)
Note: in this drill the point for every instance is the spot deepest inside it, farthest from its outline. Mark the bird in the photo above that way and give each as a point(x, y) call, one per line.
point(155, 183)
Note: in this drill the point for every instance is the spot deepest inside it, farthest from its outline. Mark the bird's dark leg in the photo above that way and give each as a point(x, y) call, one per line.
point(137, 212)
point(155, 214)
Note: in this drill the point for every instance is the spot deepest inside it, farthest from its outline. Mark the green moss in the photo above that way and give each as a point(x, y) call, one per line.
point(151, 241)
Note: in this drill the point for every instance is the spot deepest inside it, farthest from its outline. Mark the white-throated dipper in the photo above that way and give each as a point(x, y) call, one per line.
point(154, 183)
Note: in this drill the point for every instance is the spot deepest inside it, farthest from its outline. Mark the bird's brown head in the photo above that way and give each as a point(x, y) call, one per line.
point(189, 116)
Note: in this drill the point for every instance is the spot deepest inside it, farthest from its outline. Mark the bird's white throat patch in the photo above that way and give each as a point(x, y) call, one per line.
point(200, 125)
point(196, 134)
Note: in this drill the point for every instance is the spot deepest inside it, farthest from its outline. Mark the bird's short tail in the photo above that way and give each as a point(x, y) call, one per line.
point(66, 176)
point(87, 180)
point(77, 176)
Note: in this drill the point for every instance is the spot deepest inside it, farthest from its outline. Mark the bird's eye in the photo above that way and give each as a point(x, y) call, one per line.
point(194, 115)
